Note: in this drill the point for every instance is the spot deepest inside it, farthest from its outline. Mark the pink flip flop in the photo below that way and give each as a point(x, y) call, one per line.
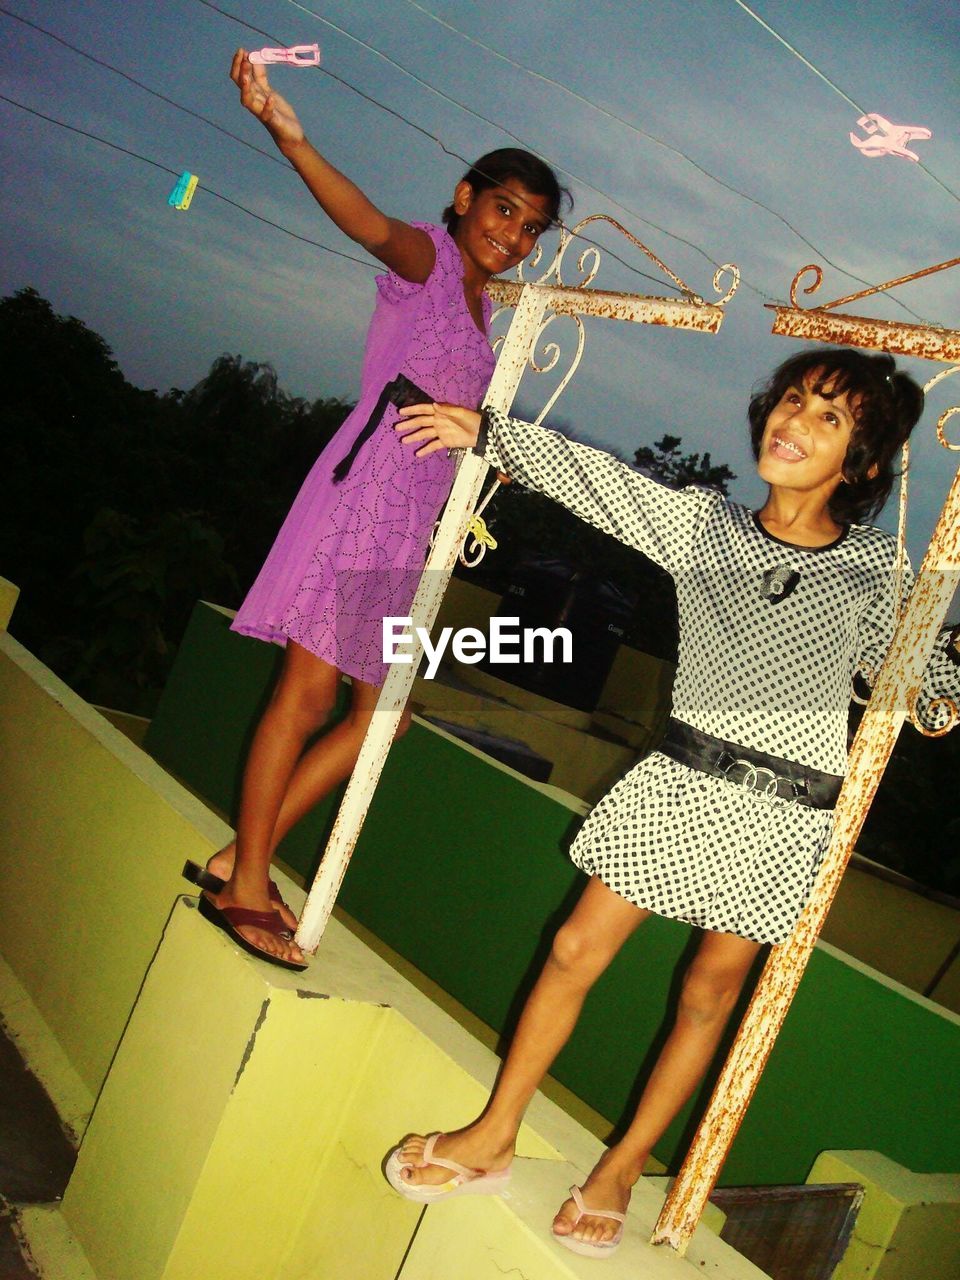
point(584, 1247)
point(465, 1182)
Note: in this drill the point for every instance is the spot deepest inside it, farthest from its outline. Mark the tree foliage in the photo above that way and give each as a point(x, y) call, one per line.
point(667, 463)
point(123, 506)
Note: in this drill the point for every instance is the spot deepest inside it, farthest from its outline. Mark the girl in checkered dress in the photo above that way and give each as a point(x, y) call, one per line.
point(725, 825)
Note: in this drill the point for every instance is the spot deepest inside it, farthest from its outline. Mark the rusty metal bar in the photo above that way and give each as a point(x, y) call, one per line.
point(676, 313)
point(892, 699)
point(864, 293)
point(817, 325)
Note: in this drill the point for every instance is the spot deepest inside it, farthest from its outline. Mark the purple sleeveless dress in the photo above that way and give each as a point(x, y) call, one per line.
point(351, 553)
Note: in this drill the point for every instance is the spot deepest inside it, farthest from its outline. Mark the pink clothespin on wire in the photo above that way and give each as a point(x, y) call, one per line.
point(297, 55)
point(888, 139)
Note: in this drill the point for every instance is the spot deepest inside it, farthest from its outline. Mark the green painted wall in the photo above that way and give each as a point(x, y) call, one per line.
point(469, 883)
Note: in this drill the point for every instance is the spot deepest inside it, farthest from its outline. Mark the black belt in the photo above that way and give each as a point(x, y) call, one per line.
point(752, 770)
point(401, 392)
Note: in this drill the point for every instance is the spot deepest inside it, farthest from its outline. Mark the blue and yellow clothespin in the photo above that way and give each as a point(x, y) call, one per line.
point(182, 193)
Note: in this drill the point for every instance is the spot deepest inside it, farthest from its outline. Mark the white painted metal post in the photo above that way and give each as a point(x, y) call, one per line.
point(892, 698)
point(396, 688)
point(531, 301)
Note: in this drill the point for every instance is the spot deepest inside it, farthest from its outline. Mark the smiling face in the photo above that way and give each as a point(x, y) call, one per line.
point(805, 441)
point(499, 226)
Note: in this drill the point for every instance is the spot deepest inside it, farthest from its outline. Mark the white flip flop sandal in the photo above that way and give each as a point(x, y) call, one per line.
point(584, 1247)
point(465, 1182)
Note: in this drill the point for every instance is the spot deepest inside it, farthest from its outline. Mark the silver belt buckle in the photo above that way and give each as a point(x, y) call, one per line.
point(751, 780)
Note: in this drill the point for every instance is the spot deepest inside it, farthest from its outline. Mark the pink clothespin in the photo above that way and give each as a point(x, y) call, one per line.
point(888, 139)
point(297, 55)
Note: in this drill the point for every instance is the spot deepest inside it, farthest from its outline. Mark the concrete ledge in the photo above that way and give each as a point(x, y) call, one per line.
point(241, 1130)
point(909, 1224)
point(40, 1048)
point(475, 1239)
point(47, 1245)
point(840, 1059)
point(93, 834)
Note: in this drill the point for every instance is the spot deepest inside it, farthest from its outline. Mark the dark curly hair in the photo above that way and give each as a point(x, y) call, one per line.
point(886, 404)
point(498, 167)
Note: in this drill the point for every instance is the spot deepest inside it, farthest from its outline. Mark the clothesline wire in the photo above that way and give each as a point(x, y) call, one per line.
point(650, 137)
point(136, 155)
point(493, 124)
point(432, 137)
point(836, 88)
point(101, 62)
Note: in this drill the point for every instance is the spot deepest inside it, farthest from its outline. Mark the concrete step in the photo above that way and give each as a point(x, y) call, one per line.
point(243, 1124)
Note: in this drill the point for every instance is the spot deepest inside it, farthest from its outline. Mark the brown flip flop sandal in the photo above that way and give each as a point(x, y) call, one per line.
point(213, 883)
point(230, 919)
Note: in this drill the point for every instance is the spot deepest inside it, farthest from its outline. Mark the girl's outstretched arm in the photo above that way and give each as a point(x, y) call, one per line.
point(597, 487)
point(404, 249)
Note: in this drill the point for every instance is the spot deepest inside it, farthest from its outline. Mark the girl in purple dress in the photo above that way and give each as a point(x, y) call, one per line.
point(353, 545)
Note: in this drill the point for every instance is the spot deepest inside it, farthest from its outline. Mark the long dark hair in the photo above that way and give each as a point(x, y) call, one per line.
point(886, 405)
point(498, 167)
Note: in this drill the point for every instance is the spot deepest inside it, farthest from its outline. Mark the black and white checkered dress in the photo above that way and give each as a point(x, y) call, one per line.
point(771, 635)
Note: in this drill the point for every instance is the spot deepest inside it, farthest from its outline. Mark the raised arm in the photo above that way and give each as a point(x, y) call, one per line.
point(404, 249)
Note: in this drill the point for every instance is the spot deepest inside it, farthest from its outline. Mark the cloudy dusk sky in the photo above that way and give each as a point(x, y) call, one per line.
point(688, 121)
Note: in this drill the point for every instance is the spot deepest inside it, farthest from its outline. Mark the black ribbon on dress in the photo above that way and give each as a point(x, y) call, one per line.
point(401, 392)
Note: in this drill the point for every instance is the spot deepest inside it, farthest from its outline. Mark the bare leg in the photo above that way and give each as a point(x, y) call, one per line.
point(300, 703)
point(582, 949)
point(330, 760)
point(281, 785)
point(710, 989)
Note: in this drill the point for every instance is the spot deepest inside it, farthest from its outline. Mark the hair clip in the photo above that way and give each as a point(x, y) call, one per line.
point(297, 55)
point(182, 193)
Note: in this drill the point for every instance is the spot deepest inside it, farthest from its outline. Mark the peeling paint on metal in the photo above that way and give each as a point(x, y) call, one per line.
point(818, 325)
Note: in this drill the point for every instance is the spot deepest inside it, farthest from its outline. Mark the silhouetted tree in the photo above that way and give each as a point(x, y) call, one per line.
point(122, 507)
point(667, 463)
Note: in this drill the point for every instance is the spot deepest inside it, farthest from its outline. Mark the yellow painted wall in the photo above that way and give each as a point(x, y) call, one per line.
point(637, 691)
point(9, 594)
point(908, 1227)
point(898, 931)
point(92, 838)
point(583, 765)
point(255, 1152)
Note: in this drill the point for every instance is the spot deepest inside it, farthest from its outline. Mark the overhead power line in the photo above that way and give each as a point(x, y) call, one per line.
point(835, 87)
point(100, 62)
point(660, 282)
point(657, 141)
point(136, 155)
